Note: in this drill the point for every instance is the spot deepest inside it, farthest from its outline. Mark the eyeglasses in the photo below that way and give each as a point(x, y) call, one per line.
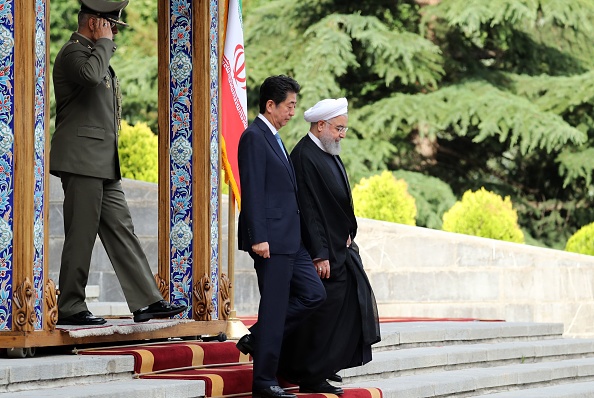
point(340, 129)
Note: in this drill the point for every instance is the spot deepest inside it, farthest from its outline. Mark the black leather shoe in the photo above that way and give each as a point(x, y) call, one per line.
point(272, 392)
point(160, 309)
point(246, 344)
point(81, 318)
point(322, 387)
point(335, 377)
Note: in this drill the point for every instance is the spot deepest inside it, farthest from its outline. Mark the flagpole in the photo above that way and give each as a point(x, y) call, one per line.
point(233, 122)
point(235, 328)
point(231, 251)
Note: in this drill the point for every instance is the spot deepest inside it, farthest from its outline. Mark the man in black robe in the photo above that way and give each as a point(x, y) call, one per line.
point(340, 333)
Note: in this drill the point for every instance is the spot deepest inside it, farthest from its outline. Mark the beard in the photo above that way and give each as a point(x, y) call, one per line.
point(329, 144)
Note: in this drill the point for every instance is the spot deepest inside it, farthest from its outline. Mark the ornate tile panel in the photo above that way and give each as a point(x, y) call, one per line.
point(215, 166)
point(180, 156)
point(6, 160)
point(39, 190)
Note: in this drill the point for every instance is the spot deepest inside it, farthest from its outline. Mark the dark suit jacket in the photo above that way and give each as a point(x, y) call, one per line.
point(326, 203)
point(269, 207)
point(86, 138)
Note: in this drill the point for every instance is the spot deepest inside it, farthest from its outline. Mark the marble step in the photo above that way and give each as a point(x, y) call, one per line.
point(432, 359)
point(574, 390)
point(397, 335)
point(131, 388)
point(481, 381)
point(18, 374)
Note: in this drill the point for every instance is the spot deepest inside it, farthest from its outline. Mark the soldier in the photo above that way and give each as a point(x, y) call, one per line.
point(84, 154)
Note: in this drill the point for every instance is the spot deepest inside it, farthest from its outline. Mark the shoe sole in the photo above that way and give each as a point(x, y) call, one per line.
point(287, 395)
point(159, 315)
point(308, 391)
point(244, 350)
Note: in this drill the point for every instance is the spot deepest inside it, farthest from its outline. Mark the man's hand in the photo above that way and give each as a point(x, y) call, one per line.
point(349, 241)
point(261, 249)
point(323, 268)
point(102, 29)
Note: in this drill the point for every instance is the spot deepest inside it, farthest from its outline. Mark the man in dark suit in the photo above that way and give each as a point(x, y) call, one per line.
point(84, 154)
point(340, 333)
point(270, 231)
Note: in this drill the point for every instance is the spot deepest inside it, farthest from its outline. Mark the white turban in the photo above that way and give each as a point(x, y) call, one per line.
point(326, 110)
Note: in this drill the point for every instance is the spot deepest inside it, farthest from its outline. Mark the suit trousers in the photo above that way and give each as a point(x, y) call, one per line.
point(290, 291)
point(95, 206)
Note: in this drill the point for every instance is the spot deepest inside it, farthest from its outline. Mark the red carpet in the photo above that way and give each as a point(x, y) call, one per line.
point(221, 366)
point(250, 320)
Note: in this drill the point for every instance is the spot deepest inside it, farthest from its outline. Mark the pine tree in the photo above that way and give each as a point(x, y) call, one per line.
point(493, 93)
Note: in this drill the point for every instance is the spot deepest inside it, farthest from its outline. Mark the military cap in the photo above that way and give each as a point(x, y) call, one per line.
point(110, 10)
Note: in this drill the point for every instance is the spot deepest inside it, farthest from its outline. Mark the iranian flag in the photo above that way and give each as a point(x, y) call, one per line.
point(233, 95)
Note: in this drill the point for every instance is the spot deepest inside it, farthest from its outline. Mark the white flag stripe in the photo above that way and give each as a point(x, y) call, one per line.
point(234, 59)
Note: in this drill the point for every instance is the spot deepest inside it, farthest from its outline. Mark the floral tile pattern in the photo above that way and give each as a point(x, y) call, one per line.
point(6, 161)
point(180, 165)
point(215, 165)
point(39, 190)
point(181, 116)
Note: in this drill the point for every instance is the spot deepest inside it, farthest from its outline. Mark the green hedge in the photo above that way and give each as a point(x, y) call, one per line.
point(383, 197)
point(485, 214)
point(582, 241)
point(139, 152)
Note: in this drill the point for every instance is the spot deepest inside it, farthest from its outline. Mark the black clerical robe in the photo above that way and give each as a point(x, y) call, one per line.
point(335, 337)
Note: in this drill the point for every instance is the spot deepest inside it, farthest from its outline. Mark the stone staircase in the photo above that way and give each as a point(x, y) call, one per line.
point(413, 360)
point(490, 359)
point(78, 376)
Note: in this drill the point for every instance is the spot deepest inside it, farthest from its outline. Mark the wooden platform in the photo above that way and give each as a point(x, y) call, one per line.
point(61, 337)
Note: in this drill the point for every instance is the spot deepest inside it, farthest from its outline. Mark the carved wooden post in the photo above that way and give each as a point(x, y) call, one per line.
point(25, 290)
point(188, 155)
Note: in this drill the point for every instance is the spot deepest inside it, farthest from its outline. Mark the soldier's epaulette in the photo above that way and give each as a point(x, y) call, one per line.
point(76, 42)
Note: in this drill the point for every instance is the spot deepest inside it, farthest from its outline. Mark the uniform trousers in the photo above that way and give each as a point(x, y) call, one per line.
point(290, 291)
point(96, 206)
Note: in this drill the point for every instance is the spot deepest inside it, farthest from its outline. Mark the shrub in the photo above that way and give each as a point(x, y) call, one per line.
point(433, 197)
point(383, 197)
point(139, 152)
point(582, 241)
point(486, 214)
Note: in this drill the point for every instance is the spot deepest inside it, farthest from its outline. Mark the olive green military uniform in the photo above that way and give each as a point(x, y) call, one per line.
point(84, 154)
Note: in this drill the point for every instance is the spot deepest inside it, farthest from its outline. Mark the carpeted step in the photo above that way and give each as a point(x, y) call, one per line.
point(223, 368)
point(219, 380)
point(175, 354)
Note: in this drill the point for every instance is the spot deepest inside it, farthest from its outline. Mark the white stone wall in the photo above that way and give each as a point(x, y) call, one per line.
point(420, 272)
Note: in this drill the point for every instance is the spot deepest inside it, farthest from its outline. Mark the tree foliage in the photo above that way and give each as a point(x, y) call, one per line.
point(493, 93)
point(433, 197)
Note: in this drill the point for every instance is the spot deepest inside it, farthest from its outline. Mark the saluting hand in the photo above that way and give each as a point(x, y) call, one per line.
point(102, 29)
